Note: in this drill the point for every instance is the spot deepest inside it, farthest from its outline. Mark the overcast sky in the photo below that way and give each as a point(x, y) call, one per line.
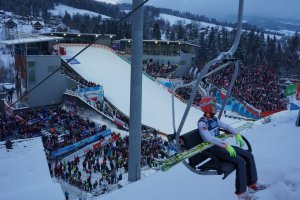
point(223, 8)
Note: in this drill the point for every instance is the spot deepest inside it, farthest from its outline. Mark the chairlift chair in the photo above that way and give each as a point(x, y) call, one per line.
point(205, 163)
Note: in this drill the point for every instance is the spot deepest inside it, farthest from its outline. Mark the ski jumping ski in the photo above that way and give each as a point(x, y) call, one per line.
point(179, 157)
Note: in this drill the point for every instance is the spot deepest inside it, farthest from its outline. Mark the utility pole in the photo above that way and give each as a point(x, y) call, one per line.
point(134, 160)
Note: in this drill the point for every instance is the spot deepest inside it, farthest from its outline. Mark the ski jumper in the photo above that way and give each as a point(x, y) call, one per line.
point(246, 174)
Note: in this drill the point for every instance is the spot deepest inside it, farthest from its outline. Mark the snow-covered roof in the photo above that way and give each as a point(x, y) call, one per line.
point(9, 19)
point(7, 86)
point(32, 39)
point(24, 172)
point(41, 22)
point(61, 25)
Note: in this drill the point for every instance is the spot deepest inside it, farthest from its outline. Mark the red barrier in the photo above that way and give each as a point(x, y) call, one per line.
point(119, 122)
point(267, 113)
point(62, 51)
point(115, 137)
point(82, 45)
point(252, 110)
point(97, 145)
point(112, 139)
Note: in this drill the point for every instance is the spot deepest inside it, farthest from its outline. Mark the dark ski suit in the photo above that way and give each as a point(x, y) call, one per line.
point(246, 174)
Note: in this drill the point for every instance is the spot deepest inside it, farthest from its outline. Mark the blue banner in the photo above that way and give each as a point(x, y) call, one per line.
point(169, 83)
point(79, 144)
point(294, 106)
point(86, 89)
point(92, 93)
point(238, 107)
point(115, 46)
point(73, 61)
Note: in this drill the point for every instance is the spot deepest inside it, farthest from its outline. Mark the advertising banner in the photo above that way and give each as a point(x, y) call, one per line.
point(103, 143)
point(291, 89)
point(79, 144)
point(119, 122)
point(252, 110)
point(116, 46)
point(92, 93)
point(169, 83)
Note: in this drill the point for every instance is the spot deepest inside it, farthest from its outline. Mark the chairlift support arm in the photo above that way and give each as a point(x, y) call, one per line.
point(222, 57)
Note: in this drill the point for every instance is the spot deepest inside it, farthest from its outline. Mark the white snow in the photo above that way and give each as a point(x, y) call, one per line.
point(34, 38)
point(109, 1)
point(24, 172)
point(287, 32)
point(60, 10)
point(6, 59)
point(174, 19)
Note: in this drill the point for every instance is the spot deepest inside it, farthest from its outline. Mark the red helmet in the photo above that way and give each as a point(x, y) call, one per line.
point(205, 104)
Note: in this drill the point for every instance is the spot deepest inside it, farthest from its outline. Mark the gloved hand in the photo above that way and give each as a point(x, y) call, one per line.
point(239, 140)
point(230, 150)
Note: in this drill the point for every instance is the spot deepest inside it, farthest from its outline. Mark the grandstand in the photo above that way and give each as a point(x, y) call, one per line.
point(178, 53)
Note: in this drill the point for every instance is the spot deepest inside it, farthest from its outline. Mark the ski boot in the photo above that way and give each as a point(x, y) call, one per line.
point(257, 187)
point(246, 196)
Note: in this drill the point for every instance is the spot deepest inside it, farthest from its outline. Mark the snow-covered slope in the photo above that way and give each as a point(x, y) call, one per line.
point(276, 149)
point(60, 10)
point(24, 172)
point(109, 1)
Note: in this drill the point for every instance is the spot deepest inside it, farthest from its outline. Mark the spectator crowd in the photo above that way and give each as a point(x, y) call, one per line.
point(58, 127)
point(159, 70)
point(101, 168)
point(255, 85)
